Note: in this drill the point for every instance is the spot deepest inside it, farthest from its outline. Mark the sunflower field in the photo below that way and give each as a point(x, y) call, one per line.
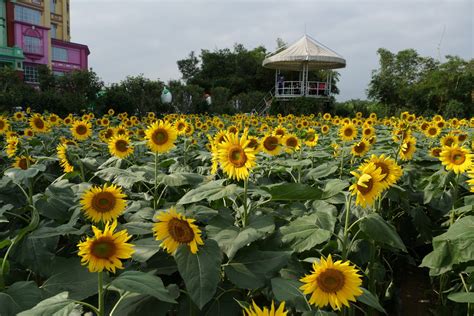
point(236, 215)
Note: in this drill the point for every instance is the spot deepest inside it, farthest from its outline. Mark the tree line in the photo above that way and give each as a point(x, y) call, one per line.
point(236, 81)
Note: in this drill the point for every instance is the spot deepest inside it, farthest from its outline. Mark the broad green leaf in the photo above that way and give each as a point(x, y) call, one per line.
point(144, 305)
point(462, 297)
point(145, 249)
point(251, 268)
point(18, 297)
point(57, 200)
point(69, 275)
point(453, 247)
point(377, 229)
point(303, 233)
point(293, 191)
point(66, 229)
point(333, 187)
point(58, 305)
point(180, 178)
point(371, 300)
point(142, 283)
point(124, 178)
point(322, 170)
point(211, 191)
point(20, 175)
point(288, 291)
point(231, 238)
point(200, 271)
point(326, 215)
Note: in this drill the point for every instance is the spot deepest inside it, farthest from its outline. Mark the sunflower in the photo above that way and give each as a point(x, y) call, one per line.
point(4, 125)
point(103, 203)
point(280, 131)
point(291, 142)
point(120, 146)
point(235, 156)
point(390, 171)
point(38, 124)
point(456, 158)
point(19, 116)
point(174, 229)
point(408, 148)
point(368, 185)
point(432, 131)
point(81, 130)
point(311, 138)
point(348, 132)
point(180, 126)
point(61, 150)
point(254, 143)
point(334, 283)
point(449, 140)
point(220, 137)
point(324, 129)
point(161, 136)
point(470, 182)
point(361, 148)
point(271, 144)
point(368, 132)
point(254, 310)
point(28, 132)
point(23, 162)
point(105, 249)
point(12, 146)
point(435, 151)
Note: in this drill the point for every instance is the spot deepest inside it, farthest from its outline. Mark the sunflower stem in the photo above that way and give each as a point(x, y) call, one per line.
point(245, 215)
point(156, 183)
point(346, 227)
point(100, 282)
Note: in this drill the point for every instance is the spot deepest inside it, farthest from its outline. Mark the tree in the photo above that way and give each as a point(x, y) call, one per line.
point(188, 67)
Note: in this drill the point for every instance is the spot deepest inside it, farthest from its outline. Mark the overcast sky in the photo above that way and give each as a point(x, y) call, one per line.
point(148, 37)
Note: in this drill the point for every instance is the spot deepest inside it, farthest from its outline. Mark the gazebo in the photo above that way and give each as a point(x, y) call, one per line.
point(303, 56)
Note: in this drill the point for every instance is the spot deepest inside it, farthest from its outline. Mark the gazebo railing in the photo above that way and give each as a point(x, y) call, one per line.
point(293, 89)
point(289, 88)
point(318, 88)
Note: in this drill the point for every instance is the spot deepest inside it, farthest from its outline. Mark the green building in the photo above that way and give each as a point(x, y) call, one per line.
point(9, 56)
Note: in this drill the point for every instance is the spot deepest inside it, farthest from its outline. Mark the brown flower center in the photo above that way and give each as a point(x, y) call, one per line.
point(270, 143)
point(348, 132)
point(366, 190)
point(279, 132)
point(103, 248)
point(253, 143)
point(331, 281)
point(384, 168)
point(432, 131)
point(38, 123)
point(2, 124)
point(81, 129)
point(359, 148)
point(23, 163)
point(180, 231)
point(457, 157)
point(121, 145)
point(237, 156)
point(292, 142)
point(181, 126)
point(160, 136)
point(103, 202)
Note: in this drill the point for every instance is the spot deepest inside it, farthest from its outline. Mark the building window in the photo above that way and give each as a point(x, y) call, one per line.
point(27, 15)
point(58, 73)
point(31, 74)
point(60, 54)
point(54, 31)
point(32, 44)
point(52, 4)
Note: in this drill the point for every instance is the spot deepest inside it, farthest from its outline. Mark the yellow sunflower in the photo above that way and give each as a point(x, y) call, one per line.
point(325, 129)
point(254, 310)
point(254, 143)
point(103, 203)
point(23, 162)
point(4, 125)
point(456, 158)
point(432, 131)
point(105, 249)
point(435, 151)
point(180, 126)
point(311, 138)
point(332, 283)
point(408, 148)
point(161, 136)
point(19, 116)
point(348, 132)
point(120, 146)
point(61, 150)
point(12, 146)
point(174, 229)
point(368, 132)
point(28, 132)
point(38, 124)
point(81, 130)
point(271, 144)
point(280, 131)
point(291, 142)
point(449, 140)
point(236, 158)
point(390, 171)
point(470, 182)
point(368, 185)
point(361, 148)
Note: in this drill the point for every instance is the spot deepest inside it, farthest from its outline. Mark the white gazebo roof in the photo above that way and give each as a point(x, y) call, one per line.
point(305, 50)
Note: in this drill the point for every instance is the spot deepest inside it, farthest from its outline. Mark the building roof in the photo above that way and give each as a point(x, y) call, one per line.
point(305, 50)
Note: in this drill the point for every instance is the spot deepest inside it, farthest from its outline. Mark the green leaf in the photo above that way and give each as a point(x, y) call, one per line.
point(20, 175)
point(72, 277)
point(124, 178)
point(142, 283)
point(293, 191)
point(377, 229)
point(231, 238)
point(288, 291)
point(211, 191)
point(453, 247)
point(58, 305)
point(371, 300)
point(251, 268)
point(326, 215)
point(145, 249)
point(57, 200)
point(19, 297)
point(321, 171)
point(303, 233)
point(200, 271)
point(333, 187)
point(180, 178)
point(137, 304)
point(462, 297)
